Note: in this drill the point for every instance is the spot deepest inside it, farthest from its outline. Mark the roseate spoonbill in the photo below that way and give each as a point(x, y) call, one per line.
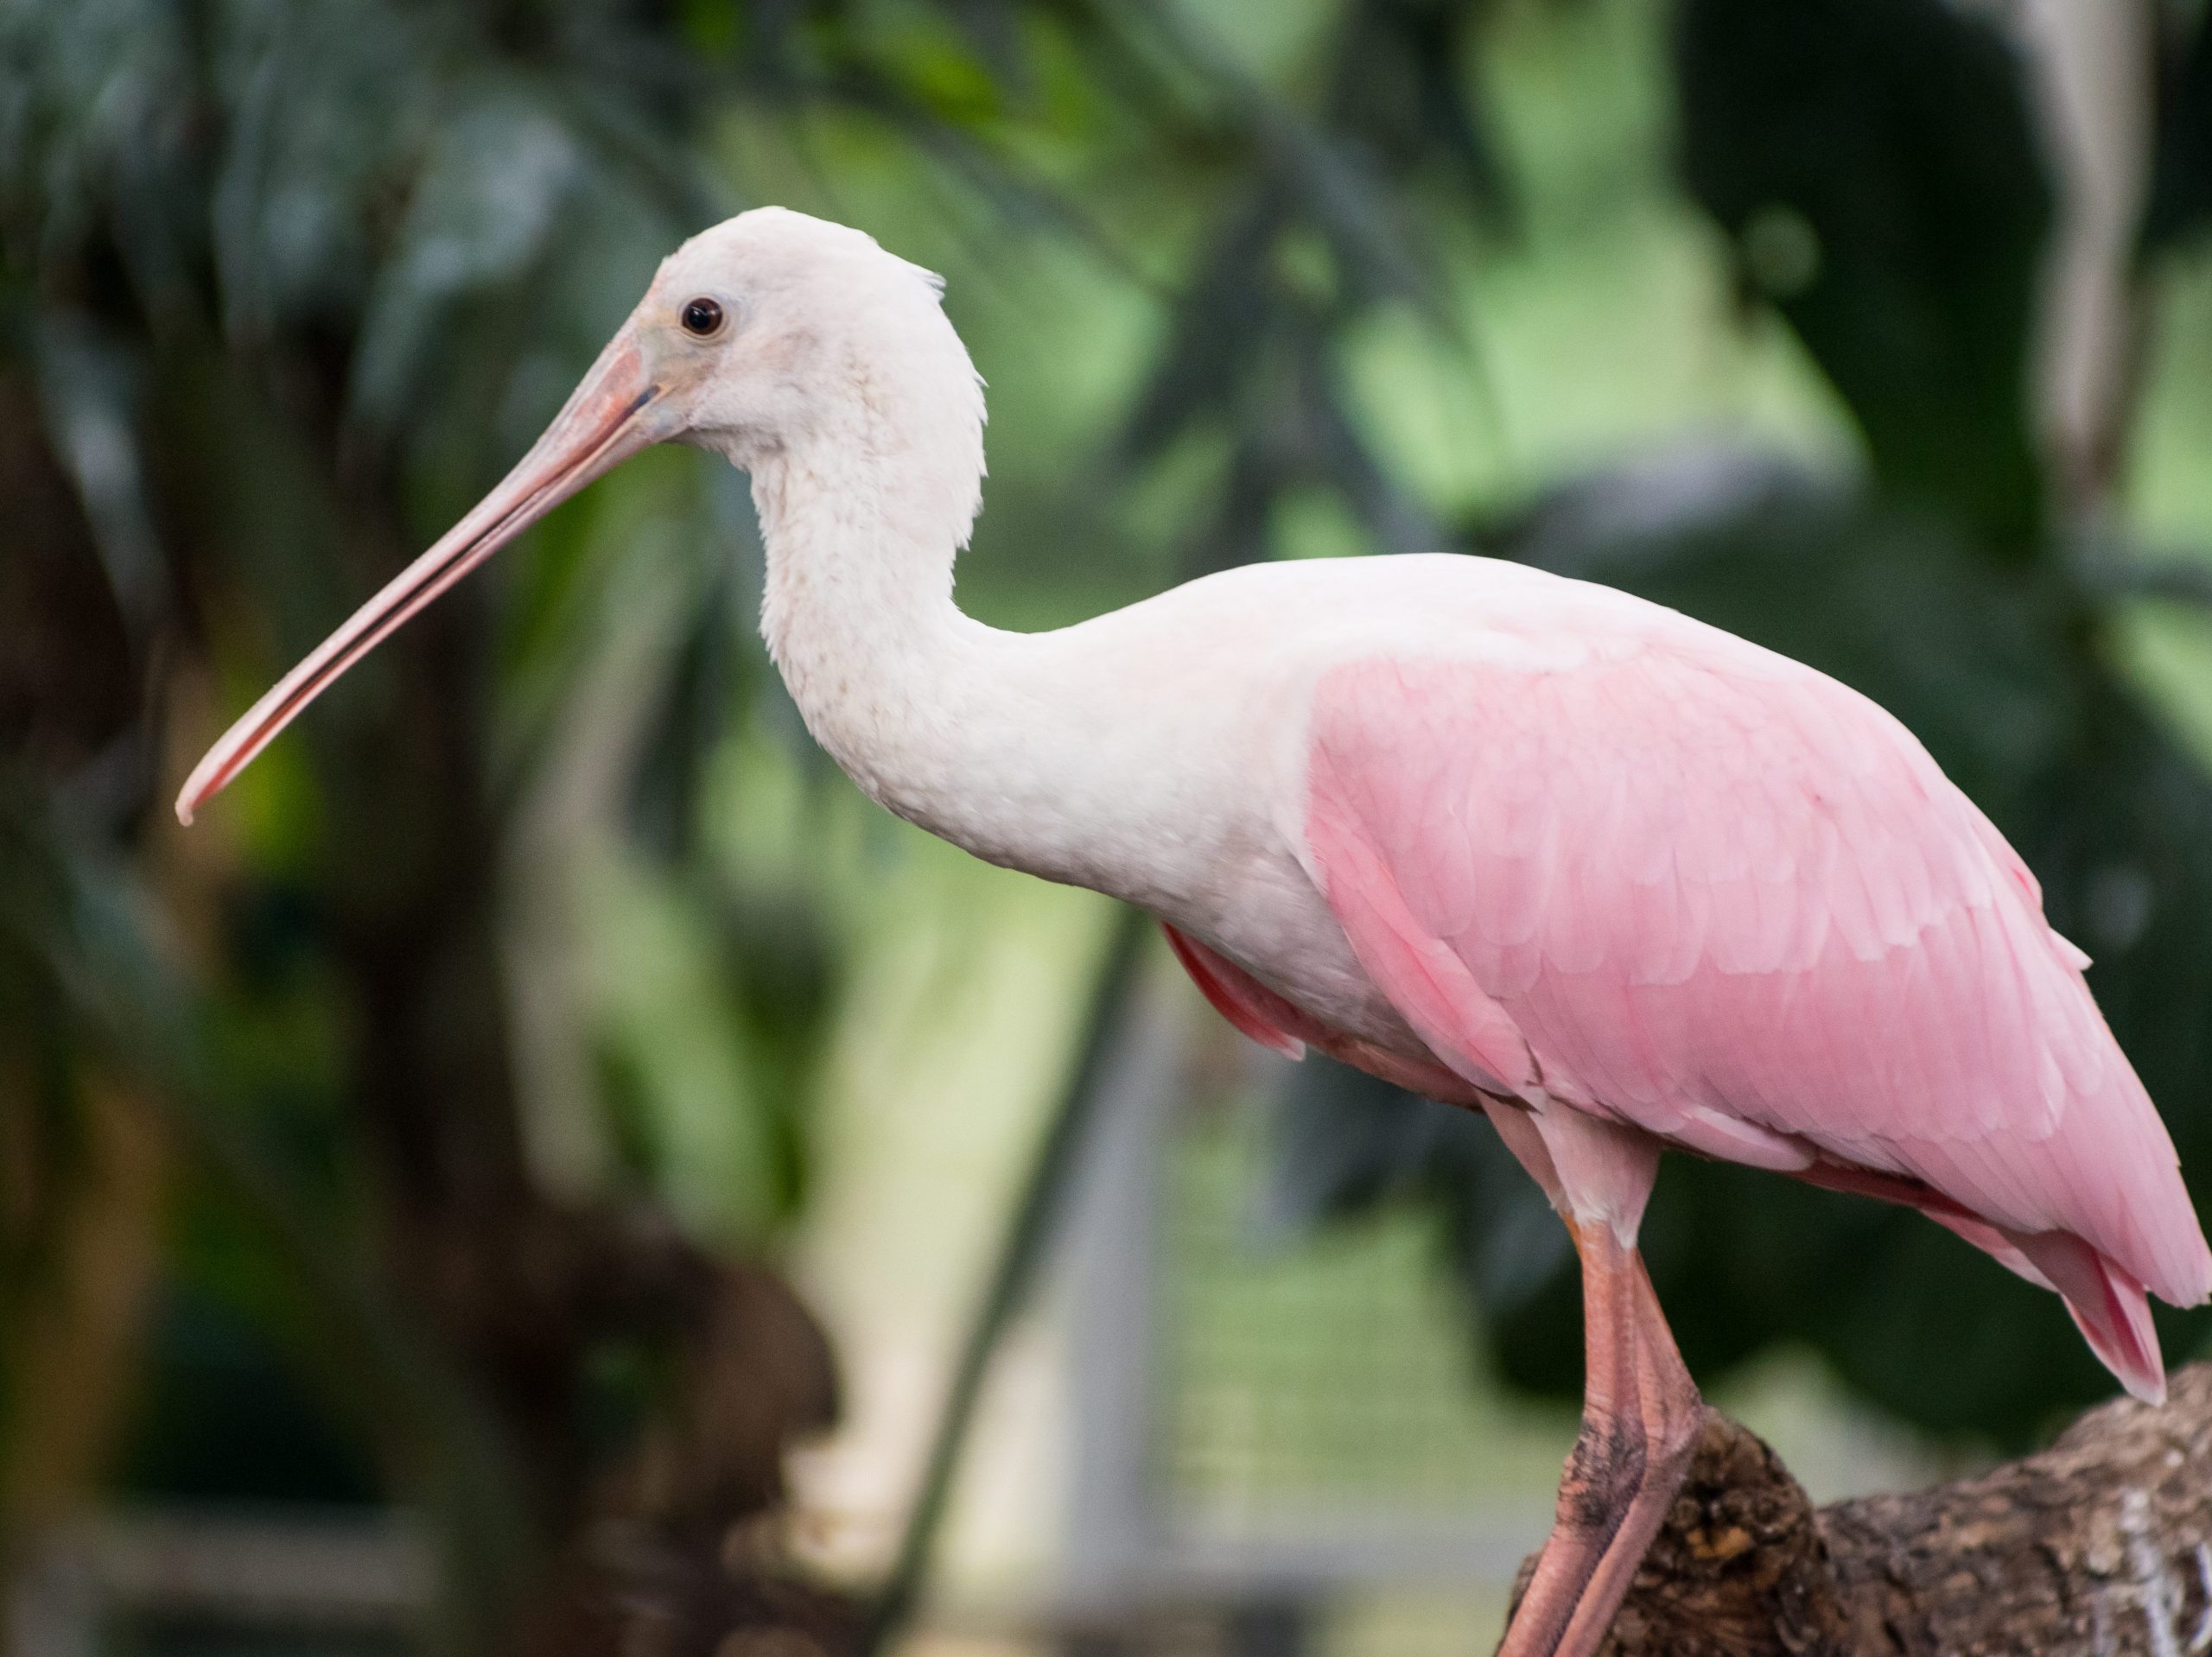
point(1618, 879)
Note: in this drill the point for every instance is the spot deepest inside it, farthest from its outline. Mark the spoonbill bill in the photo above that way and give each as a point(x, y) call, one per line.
point(1622, 881)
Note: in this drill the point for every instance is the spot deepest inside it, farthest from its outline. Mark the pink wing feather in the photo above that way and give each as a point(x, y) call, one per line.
point(1683, 883)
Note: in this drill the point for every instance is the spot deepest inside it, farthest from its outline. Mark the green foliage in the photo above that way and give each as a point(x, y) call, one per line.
point(283, 286)
point(1878, 168)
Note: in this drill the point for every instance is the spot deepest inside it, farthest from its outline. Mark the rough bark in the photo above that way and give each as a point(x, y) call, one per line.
point(2099, 1546)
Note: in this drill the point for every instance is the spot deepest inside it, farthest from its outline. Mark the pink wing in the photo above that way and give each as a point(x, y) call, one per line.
point(1675, 880)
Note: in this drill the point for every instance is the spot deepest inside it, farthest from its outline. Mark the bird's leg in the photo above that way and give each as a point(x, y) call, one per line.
point(1641, 1415)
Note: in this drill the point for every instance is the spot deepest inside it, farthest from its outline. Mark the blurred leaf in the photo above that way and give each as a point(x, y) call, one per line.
point(1321, 236)
point(2181, 178)
point(312, 93)
point(489, 200)
point(66, 647)
point(1401, 85)
point(97, 105)
point(1875, 163)
point(80, 929)
point(89, 387)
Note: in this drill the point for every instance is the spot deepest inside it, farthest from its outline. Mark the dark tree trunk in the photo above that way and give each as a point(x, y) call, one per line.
point(2099, 1546)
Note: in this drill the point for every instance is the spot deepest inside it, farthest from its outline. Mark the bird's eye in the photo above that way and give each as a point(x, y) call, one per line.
point(702, 317)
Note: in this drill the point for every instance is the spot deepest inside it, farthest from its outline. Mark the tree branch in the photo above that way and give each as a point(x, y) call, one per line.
point(2099, 1546)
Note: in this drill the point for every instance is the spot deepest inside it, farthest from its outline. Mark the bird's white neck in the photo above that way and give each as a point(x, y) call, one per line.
point(1070, 754)
point(919, 703)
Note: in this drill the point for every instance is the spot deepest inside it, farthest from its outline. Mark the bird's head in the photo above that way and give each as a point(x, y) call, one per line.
point(771, 335)
point(774, 330)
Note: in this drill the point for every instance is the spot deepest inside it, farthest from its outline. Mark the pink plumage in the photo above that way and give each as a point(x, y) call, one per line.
point(1680, 883)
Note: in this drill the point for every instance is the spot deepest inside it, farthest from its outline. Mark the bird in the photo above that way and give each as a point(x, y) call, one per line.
point(1621, 881)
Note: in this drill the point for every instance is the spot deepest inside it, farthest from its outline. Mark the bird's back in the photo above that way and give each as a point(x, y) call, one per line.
point(1718, 895)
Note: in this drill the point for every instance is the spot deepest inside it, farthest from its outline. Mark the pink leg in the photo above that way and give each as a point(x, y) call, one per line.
point(1641, 1412)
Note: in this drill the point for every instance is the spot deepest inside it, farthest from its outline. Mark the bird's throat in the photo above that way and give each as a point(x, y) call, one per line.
point(891, 677)
point(1050, 752)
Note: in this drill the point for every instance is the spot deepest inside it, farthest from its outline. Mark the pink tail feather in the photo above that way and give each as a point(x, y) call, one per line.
point(2109, 1307)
